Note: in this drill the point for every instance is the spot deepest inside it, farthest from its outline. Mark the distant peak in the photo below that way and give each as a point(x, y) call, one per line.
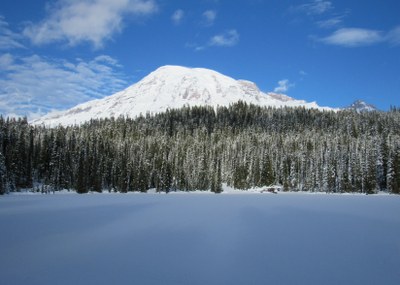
point(361, 106)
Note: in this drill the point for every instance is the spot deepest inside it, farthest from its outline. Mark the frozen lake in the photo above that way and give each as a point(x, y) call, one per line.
point(199, 239)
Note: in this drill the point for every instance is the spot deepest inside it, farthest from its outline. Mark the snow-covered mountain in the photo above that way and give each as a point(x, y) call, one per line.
point(172, 87)
point(361, 106)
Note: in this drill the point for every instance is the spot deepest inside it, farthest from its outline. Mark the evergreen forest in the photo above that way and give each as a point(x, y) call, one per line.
point(201, 148)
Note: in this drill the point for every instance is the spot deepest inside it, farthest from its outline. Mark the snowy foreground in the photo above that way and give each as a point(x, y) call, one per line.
point(199, 239)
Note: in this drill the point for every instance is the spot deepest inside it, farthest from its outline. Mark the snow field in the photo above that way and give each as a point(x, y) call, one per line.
point(199, 239)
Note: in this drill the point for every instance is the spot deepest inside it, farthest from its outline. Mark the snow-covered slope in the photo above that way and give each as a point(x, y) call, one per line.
point(361, 106)
point(172, 87)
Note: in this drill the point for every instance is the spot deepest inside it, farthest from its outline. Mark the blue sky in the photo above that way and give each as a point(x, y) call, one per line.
point(56, 54)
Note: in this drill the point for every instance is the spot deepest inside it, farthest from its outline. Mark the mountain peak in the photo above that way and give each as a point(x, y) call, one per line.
point(170, 87)
point(361, 106)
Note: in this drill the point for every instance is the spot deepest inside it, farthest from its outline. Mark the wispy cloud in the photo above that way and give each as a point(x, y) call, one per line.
point(393, 36)
point(177, 16)
point(93, 21)
point(315, 7)
point(209, 18)
point(303, 73)
point(344, 36)
point(321, 12)
point(354, 37)
point(35, 85)
point(331, 23)
point(227, 39)
point(283, 86)
point(8, 38)
point(6, 61)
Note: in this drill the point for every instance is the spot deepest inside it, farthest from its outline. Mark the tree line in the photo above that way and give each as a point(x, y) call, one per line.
point(200, 148)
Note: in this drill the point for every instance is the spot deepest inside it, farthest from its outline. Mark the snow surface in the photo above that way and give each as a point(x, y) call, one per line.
point(199, 239)
point(172, 87)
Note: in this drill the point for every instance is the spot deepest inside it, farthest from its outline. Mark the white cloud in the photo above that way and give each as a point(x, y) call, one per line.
point(209, 18)
point(227, 39)
point(177, 16)
point(36, 85)
point(354, 37)
point(8, 39)
point(394, 36)
point(283, 86)
point(316, 7)
point(93, 21)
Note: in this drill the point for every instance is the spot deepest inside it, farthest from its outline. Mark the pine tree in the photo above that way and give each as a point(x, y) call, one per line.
point(395, 179)
point(81, 186)
point(216, 184)
point(3, 173)
point(267, 175)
